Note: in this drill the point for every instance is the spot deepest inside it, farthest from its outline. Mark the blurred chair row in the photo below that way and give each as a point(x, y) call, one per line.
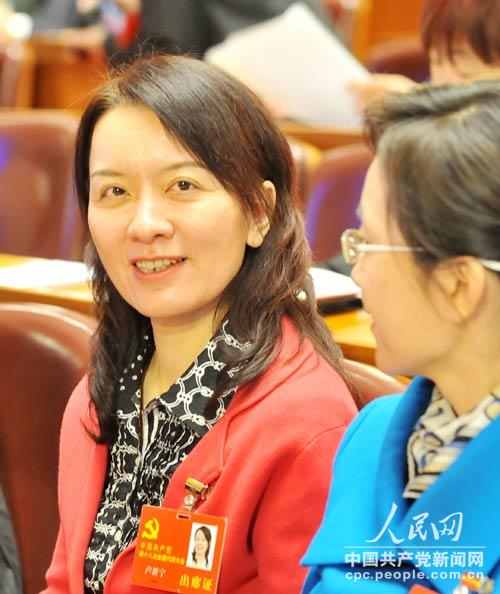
point(365, 24)
point(38, 209)
point(48, 354)
point(400, 56)
point(333, 197)
point(50, 71)
point(17, 75)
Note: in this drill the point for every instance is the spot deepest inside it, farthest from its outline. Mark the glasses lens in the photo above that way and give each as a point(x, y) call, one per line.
point(350, 241)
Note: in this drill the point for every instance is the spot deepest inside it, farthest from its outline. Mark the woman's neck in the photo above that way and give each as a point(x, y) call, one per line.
point(468, 379)
point(176, 346)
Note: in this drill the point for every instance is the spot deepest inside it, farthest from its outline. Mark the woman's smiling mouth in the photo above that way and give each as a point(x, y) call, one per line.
point(149, 266)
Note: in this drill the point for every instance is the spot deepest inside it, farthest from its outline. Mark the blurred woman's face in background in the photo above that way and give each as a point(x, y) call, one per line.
point(465, 65)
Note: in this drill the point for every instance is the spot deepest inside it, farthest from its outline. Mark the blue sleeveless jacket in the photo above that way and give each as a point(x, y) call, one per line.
point(374, 541)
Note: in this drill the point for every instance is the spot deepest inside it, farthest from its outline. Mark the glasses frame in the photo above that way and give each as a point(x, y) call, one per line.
point(354, 245)
point(490, 264)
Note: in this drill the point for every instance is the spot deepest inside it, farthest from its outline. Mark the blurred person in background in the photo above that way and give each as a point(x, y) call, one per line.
point(73, 23)
point(59, 14)
point(461, 39)
point(190, 26)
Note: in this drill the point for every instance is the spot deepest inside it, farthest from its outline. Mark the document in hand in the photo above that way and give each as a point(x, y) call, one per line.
point(297, 66)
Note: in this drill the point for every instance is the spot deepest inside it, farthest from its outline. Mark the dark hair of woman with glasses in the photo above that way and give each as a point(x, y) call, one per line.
point(206, 363)
point(414, 500)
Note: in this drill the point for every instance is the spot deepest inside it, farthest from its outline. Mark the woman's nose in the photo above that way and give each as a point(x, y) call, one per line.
point(151, 219)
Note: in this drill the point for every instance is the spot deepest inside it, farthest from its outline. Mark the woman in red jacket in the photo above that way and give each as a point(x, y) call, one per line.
point(210, 359)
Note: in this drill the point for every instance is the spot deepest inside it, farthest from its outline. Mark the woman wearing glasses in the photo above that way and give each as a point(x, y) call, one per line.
point(415, 496)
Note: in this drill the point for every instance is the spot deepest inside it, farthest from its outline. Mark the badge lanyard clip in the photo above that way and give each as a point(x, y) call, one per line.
point(194, 493)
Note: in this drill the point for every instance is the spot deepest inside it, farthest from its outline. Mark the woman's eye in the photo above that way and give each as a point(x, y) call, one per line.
point(183, 185)
point(113, 192)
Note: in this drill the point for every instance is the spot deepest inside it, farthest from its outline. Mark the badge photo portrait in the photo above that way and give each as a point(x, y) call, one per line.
point(201, 547)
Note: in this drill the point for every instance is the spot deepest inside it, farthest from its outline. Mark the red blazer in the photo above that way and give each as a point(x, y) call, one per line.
point(268, 461)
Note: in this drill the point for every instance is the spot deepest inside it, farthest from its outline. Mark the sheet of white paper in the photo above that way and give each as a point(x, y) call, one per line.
point(298, 67)
point(332, 286)
point(43, 273)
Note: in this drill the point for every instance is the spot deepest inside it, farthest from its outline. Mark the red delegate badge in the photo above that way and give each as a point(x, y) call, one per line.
point(178, 551)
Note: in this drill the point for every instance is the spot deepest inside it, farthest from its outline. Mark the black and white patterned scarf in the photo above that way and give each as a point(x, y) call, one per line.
point(150, 445)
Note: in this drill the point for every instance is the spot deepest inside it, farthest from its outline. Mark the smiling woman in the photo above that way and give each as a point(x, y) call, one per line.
point(170, 237)
point(206, 364)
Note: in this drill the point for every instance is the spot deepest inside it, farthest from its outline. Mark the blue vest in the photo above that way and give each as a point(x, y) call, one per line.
point(374, 541)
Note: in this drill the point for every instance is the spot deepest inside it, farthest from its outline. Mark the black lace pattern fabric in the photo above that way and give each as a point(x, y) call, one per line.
point(150, 445)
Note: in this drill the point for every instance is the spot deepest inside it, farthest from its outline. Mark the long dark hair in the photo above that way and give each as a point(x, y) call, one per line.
point(229, 132)
point(439, 148)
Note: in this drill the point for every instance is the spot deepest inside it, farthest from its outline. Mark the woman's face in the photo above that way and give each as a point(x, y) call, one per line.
point(411, 336)
point(466, 65)
point(169, 236)
point(200, 543)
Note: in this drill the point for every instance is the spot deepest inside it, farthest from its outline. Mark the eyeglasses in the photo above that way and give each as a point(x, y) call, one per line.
point(353, 245)
point(491, 264)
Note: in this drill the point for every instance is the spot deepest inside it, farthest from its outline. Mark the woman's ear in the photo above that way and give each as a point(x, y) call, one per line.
point(259, 227)
point(461, 284)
